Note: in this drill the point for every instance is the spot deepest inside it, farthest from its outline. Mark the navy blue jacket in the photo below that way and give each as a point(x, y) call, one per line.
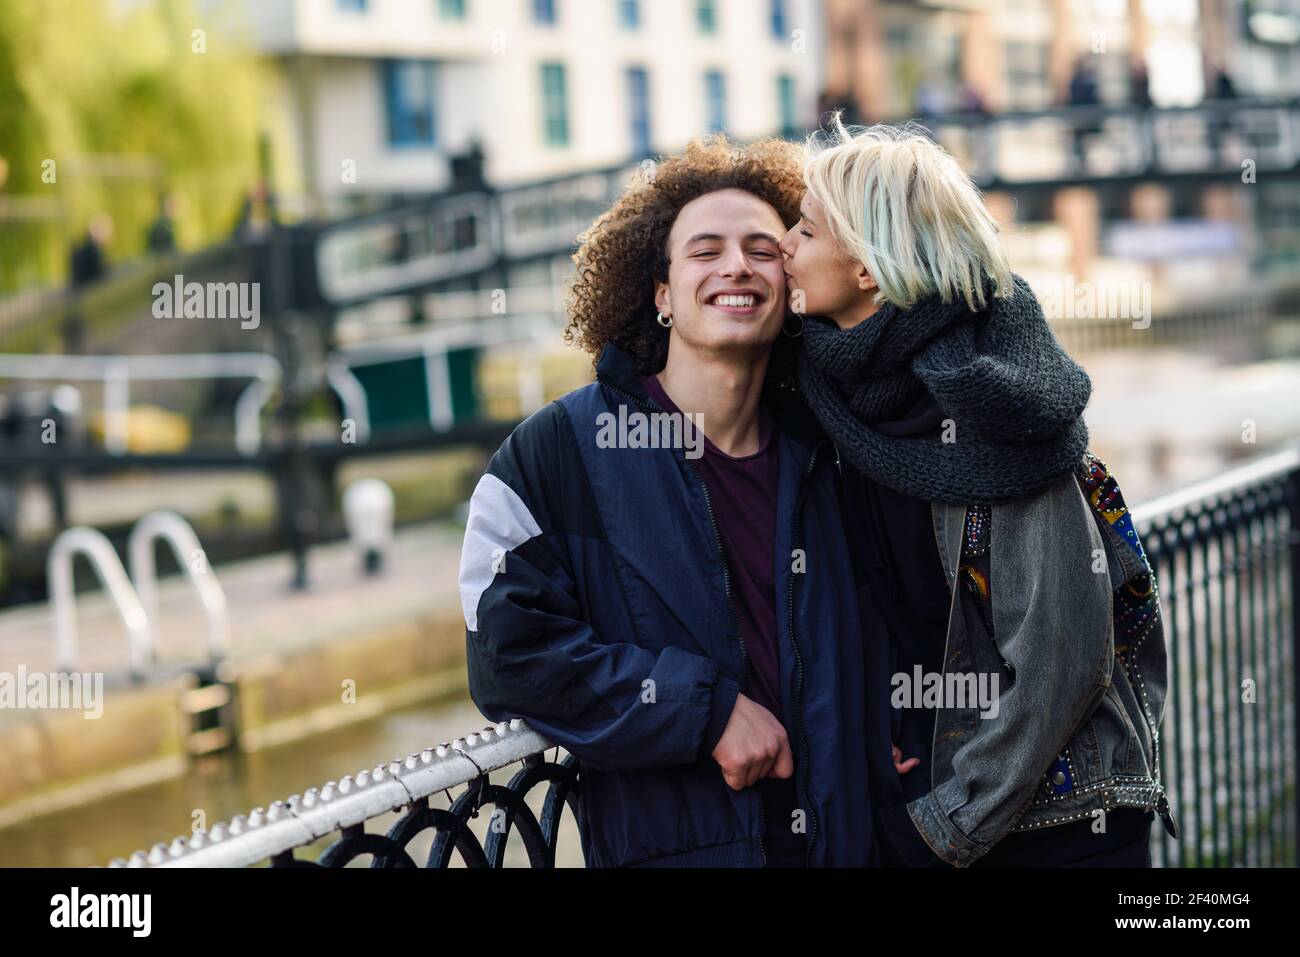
point(598, 608)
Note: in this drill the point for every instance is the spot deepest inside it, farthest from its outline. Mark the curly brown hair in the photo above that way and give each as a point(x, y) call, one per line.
point(625, 251)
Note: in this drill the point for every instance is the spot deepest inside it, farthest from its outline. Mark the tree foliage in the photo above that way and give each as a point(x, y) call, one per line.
point(129, 102)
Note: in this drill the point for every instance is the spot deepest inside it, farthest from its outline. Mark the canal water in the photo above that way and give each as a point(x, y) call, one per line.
point(234, 784)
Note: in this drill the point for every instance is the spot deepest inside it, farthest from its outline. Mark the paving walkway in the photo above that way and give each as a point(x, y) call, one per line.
point(267, 618)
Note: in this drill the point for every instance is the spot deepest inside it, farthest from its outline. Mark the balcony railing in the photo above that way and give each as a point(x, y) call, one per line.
point(1226, 557)
point(1072, 144)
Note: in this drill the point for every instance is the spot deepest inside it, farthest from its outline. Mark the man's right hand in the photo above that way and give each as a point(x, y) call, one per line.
point(754, 745)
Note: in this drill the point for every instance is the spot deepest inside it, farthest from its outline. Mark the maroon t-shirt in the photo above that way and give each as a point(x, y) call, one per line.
point(743, 492)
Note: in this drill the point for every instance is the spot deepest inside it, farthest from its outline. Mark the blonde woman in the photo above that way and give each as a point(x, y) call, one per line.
point(999, 563)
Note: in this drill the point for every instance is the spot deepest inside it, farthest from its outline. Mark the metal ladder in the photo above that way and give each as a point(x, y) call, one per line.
point(207, 698)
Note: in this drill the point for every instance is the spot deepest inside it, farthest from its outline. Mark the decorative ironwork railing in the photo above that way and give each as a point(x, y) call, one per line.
point(344, 806)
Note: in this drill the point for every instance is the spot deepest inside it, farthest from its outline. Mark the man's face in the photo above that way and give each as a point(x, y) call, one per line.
point(726, 287)
point(821, 279)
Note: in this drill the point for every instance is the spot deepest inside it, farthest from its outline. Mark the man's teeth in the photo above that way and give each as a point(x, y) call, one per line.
point(741, 301)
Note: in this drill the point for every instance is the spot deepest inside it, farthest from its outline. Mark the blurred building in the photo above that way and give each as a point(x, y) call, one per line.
point(898, 58)
point(387, 100)
point(921, 59)
point(383, 95)
point(1261, 38)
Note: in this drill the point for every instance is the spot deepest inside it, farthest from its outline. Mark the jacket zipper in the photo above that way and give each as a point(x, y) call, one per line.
point(952, 604)
point(803, 730)
point(726, 581)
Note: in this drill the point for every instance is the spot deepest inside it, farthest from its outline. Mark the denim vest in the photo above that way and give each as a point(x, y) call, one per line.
point(1053, 593)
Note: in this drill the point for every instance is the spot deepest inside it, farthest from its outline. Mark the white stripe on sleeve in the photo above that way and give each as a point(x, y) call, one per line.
point(499, 521)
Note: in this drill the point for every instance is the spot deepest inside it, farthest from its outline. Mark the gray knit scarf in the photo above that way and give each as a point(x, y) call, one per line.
point(1015, 398)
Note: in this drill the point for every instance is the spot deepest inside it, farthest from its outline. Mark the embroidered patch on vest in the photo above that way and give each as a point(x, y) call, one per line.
point(973, 568)
point(976, 540)
point(1060, 777)
point(1135, 601)
point(1104, 496)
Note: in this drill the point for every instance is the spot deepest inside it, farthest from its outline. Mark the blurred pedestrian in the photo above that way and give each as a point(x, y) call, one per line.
point(1083, 84)
point(971, 100)
point(1083, 93)
point(86, 266)
point(1220, 122)
point(88, 263)
point(467, 169)
point(829, 102)
point(161, 237)
point(256, 215)
point(1139, 86)
point(930, 101)
point(1223, 88)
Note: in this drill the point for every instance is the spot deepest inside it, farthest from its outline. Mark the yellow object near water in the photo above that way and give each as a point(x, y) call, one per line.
point(504, 374)
point(149, 430)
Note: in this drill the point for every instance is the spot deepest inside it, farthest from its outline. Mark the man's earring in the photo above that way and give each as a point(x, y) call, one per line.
point(665, 321)
point(794, 335)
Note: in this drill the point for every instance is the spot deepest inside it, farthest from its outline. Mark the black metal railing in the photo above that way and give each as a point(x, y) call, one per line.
point(1237, 322)
point(1226, 557)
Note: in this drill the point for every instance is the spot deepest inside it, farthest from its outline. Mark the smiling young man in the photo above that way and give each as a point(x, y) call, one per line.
point(685, 626)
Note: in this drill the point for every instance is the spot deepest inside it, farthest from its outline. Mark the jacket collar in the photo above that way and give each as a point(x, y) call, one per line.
point(617, 368)
point(787, 406)
point(795, 424)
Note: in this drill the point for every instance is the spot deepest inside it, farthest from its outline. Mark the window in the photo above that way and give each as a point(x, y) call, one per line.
point(1279, 225)
point(544, 11)
point(452, 9)
point(785, 108)
point(555, 107)
point(1112, 74)
point(715, 101)
point(1027, 83)
point(638, 109)
point(706, 15)
point(778, 19)
point(629, 14)
point(350, 6)
point(408, 95)
point(898, 38)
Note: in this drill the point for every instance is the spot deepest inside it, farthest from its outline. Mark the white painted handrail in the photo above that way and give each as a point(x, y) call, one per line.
point(179, 534)
point(118, 372)
point(1274, 465)
point(433, 345)
point(108, 568)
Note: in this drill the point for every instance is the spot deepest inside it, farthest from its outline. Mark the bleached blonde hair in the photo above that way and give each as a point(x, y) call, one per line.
point(898, 203)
